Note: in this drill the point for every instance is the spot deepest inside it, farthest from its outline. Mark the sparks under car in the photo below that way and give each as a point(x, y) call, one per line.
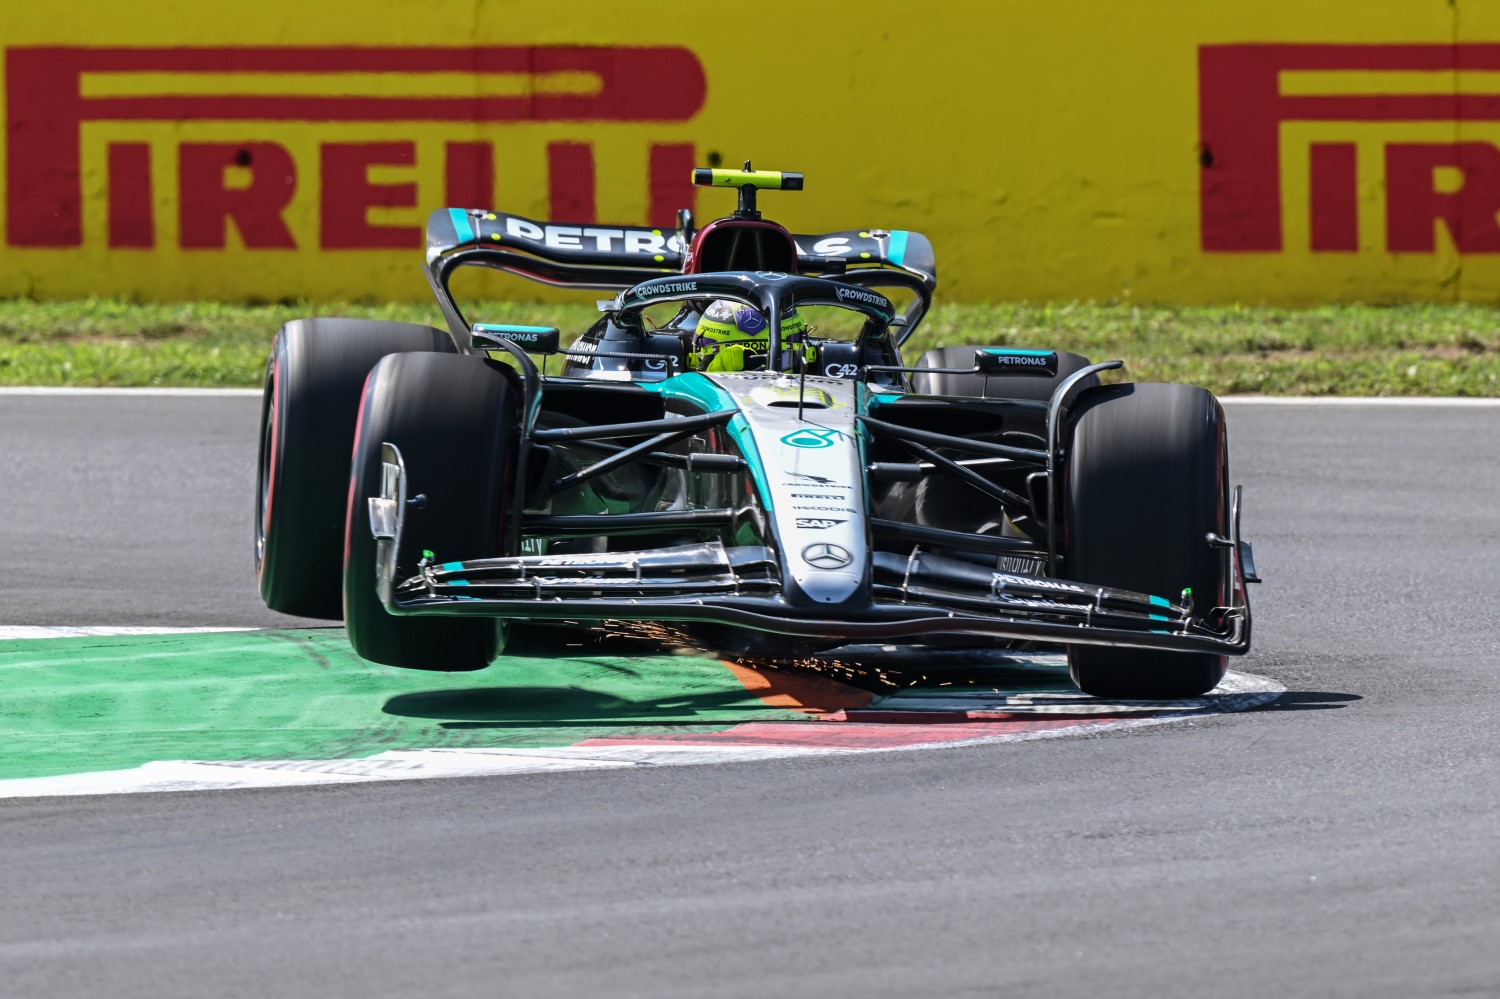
point(827, 493)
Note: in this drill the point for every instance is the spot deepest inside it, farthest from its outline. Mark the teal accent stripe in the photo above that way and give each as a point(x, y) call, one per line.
point(461, 226)
point(1160, 602)
point(1016, 350)
point(869, 401)
point(702, 391)
point(1157, 617)
point(458, 582)
point(897, 252)
point(451, 566)
point(511, 328)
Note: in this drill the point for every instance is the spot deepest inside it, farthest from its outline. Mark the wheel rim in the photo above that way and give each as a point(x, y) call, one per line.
point(265, 474)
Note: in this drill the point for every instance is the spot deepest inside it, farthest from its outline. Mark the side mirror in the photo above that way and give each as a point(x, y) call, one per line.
point(532, 339)
point(1010, 361)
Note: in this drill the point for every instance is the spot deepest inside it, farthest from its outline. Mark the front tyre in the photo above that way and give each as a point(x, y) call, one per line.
point(456, 422)
point(314, 378)
point(1145, 482)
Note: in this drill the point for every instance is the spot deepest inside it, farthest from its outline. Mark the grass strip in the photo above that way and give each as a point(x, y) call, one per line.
point(1422, 349)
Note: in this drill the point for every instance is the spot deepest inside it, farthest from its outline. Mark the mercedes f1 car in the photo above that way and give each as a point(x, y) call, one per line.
point(433, 487)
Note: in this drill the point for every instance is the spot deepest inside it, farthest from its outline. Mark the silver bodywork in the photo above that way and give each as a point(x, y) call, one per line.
point(813, 473)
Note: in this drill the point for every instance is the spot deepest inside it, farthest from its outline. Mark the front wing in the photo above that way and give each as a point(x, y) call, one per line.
point(920, 594)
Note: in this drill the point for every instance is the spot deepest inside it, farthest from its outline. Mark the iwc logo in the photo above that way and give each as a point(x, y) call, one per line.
point(823, 555)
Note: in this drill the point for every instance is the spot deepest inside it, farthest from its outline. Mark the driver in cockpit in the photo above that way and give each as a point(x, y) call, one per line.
point(732, 336)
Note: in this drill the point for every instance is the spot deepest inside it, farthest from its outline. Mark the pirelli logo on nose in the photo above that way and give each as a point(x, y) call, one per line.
point(1434, 110)
point(54, 93)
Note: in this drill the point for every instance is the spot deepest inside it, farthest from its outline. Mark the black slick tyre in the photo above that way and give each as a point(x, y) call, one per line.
point(314, 377)
point(1144, 482)
point(991, 386)
point(455, 420)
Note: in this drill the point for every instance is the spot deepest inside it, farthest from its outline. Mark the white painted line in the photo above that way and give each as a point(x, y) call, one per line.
point(1457, 402)
point(143, 392)
point(165, 775)
point(1238, 692)
point(26, 631)
point(421, 764)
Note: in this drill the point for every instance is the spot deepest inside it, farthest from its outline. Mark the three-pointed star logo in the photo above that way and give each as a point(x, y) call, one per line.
point(822, 555)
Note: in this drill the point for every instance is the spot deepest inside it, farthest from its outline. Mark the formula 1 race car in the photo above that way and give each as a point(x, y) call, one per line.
point(824, 494)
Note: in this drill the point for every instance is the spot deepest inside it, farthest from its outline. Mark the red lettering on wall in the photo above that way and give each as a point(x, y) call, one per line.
point(469, 175)
point(1333, 197)
point(46, 109)
point(1241, 109)
point(349, 194)
point(570, 182)
point(207, 201)
point(671, 183)
point(132, 224)
point(1414, 205)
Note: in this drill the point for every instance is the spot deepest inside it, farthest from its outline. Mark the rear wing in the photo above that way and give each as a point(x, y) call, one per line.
point(876, 258)
point(612, 258)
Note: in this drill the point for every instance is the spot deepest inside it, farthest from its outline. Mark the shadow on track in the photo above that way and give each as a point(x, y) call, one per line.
point(1309, 700)
point(573, 681)
point(570, 707)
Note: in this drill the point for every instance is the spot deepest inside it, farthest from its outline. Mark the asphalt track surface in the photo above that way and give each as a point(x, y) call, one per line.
point(1344, 841)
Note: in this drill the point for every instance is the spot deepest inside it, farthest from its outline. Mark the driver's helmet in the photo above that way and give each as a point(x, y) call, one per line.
point(730, 335)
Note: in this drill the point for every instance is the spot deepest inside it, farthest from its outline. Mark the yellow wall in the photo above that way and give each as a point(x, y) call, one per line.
point(1051, 151)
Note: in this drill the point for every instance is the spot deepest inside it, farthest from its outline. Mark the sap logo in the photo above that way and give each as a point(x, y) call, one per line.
point(818, 523)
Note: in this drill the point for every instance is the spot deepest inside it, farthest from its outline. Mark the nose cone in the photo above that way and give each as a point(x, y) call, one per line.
point(830, 586)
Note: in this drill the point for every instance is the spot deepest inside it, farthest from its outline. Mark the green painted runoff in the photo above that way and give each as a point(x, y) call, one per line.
point(79, 705)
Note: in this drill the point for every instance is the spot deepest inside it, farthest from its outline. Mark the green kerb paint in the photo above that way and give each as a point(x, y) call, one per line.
point(86, 704)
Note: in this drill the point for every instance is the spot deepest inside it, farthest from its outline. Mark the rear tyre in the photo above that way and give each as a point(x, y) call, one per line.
point(991, 386)
point(1144, 482)
point(314, 377)
point(456, 422)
